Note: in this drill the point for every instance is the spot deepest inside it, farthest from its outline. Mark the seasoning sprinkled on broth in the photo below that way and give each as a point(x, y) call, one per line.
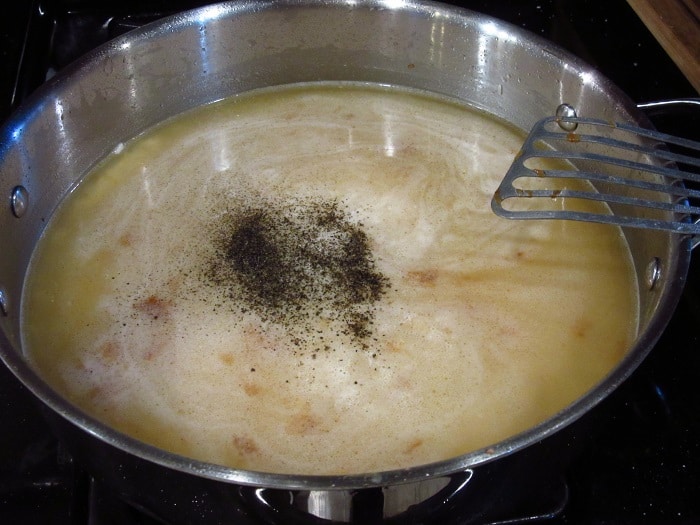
point(266, 281)
point(297, 263)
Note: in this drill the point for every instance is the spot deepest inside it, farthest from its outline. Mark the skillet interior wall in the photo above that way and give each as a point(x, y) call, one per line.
point(60, 31)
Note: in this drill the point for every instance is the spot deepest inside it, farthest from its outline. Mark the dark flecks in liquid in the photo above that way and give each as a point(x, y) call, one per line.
point(300, 264)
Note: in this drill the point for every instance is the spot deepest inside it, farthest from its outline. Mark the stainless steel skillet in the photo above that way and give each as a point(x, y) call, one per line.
point(200, 56)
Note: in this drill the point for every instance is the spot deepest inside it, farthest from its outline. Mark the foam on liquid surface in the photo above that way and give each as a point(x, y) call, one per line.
point(485, 326)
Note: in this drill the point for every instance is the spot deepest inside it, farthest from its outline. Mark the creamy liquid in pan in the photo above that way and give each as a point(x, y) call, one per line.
point(311, 280)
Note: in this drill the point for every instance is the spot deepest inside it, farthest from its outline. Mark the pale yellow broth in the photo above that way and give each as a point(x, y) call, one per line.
point(482, 328)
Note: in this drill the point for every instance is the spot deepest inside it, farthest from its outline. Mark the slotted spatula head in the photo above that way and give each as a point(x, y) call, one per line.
point(573, 168)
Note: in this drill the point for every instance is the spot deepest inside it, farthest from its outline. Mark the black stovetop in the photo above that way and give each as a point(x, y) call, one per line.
point(643, 466)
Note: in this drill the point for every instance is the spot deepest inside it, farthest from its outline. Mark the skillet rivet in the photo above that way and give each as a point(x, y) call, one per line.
point(653, 273)
point(565, 111)
point(19, 201)
point(3, 303)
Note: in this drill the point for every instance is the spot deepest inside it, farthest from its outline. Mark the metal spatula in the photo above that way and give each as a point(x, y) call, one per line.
point(640, 178)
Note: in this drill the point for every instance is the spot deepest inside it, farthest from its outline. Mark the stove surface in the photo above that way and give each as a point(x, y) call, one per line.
point(643, 466)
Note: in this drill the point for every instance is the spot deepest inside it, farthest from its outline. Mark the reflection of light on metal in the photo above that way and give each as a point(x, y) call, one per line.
point(203, 49)
point(332, 505)
point(23, 122)
point(587, 78)
point(676, 102)
point(63, 140)
point(490, 36)
point(17, 132)
point(58, 107)
point(437, 40)
point(481, 52)
point(209, 13)
point(398, 499)
point(336, 505)
point(260, 495)
point(391, 4)
point(468, 476)
point(566, 88)
point(130, 72)
point(492, 29)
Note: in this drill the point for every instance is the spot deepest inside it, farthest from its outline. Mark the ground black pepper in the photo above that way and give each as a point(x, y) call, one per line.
point(300, 264)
